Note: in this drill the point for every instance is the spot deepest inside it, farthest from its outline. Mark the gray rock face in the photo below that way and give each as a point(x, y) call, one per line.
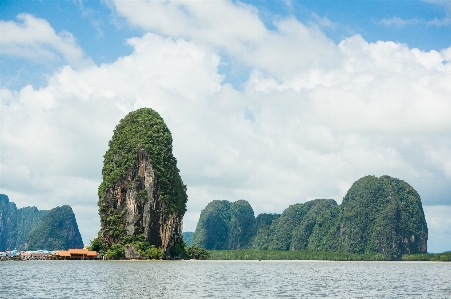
point(146, 213)
point(131, 253)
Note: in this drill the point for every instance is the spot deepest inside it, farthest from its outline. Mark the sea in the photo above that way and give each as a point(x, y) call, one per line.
point(224, 279)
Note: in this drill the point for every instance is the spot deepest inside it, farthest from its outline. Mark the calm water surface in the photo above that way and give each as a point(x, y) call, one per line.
point(224, 279)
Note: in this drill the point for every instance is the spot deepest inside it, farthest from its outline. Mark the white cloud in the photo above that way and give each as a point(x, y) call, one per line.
point(437, 22)
point(441, 157)
point(444, 3)
point(33, 38)
point(439, 226)
point(236, 29)
point(398, 22)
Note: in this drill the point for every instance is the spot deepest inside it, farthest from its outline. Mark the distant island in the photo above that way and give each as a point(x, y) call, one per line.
point(377, 216)
point(31, 229)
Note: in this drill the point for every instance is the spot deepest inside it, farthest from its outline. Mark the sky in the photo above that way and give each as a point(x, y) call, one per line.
point(274, 102)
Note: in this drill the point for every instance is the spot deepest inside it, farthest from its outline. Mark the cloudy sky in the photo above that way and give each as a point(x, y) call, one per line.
point(275, 102)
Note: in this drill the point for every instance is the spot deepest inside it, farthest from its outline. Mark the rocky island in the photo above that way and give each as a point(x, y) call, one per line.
point(142, 198)
point(31, 229)
point(378, 215)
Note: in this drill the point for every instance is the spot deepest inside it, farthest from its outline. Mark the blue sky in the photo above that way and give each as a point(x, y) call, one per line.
point(102, 32)
point(275, 102)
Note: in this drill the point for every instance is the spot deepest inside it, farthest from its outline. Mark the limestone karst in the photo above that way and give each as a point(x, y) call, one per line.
point(28, 228)
point(142, 197)
point(378, 215)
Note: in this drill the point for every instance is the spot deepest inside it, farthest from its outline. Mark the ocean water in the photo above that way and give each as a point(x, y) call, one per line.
point(224, 279)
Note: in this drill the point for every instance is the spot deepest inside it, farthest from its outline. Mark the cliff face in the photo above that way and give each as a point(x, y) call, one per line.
point(137, 197)
point(142, 197)
point(57, 230)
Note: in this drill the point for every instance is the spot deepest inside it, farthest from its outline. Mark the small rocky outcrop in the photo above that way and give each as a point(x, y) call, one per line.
point(142, 196)
point(131, 253)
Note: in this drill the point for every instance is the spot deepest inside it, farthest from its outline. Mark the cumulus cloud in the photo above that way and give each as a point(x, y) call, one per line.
point(312, 118)
point(33, 38)
point(236, 29)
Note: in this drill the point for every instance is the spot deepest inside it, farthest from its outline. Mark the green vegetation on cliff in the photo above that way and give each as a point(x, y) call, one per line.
point(57, 230)
point(265, 231)
point(382, 215)
point(30, 228)
point(144, 129)
point(225, 225)
point(295, 226)
point(16, 224)
point(377, 216)
point(142, 198)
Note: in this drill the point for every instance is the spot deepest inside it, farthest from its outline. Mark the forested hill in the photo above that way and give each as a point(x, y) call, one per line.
point(378, 215)
point(20, 226)
point(225, 225)
point(57, 230)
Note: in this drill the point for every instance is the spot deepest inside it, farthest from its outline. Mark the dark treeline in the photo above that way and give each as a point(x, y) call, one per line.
point(249, 254)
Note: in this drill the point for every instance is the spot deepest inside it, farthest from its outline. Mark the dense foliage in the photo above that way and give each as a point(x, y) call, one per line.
point(197, 253)
point(265, 230)
point(212, 228)
point(17, 224)
point(295, 226)
point(98, 245)
point(377, 216)
point(225, 225)
point(115, 252)
point(435, 257)
point(242, 226)
point(144, 129)
point(382, 215)
point(147, 251)
point(57, 230)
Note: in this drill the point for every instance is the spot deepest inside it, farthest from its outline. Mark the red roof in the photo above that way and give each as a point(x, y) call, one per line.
point(62, 253)
point(78, 251)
